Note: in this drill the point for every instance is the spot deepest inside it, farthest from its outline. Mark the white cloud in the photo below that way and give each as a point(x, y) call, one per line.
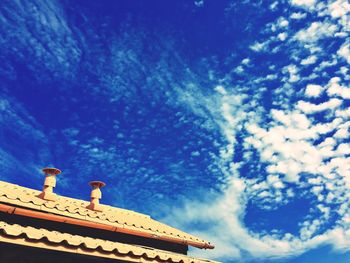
point(316, 31)
point(287, 146)
point(344, 52)
point(309, 60)
point(302, 153)
point(310, 108)
point(342, 133)
point(298, 16)
point(246, 61)
point(221, 90)
point(307, 3)
point(344, 71)
point(313, 90)
point(258, 47)
point(339, 8)
point(282, 36)
point(335, 89)
point(293, 71)
point(199, 3)
point(282, 22)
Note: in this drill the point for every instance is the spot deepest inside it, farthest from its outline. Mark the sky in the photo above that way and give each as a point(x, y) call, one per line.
point(227, 119)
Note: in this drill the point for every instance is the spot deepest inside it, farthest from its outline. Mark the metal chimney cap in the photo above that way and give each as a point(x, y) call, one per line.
point(51, 170)
point(97, 184)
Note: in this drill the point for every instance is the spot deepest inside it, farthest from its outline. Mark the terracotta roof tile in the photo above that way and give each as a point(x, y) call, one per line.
point(74, 208)
point(43, 238)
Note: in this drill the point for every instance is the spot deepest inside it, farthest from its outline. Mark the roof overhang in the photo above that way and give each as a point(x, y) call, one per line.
point(64, 242)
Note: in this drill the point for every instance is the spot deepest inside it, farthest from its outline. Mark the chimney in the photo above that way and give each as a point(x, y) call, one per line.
point(96, 196)
point(49, 184)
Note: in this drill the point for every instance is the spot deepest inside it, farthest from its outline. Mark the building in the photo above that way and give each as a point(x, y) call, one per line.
point(41, 226)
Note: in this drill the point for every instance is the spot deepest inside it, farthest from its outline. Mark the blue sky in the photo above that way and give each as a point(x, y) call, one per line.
point(227, 119)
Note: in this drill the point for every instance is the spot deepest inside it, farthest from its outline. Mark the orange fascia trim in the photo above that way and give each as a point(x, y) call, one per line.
point(62, 219)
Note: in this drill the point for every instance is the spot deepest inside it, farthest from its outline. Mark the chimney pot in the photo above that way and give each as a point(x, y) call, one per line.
point(51, 170)
point(95, 196)
point(49, 184)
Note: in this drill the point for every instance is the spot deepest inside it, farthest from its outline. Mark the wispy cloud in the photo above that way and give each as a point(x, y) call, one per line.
point(304, 155)
point(20, 134)
point(265, 130)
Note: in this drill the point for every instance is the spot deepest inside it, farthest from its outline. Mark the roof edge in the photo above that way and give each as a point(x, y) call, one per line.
point(33, 237)
point(63, 219)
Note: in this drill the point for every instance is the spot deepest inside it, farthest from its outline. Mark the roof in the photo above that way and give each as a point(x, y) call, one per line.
point(53, 240)
point(117, 219)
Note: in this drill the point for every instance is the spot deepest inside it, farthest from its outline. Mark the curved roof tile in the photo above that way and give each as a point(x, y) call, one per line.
point(43, 238)
point(75, 208)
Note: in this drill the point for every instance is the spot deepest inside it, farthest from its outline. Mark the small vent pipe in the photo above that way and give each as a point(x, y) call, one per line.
point(49, 183)
point(95, 196)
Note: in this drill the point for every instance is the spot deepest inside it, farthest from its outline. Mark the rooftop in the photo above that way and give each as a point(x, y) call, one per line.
point(22, 202)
